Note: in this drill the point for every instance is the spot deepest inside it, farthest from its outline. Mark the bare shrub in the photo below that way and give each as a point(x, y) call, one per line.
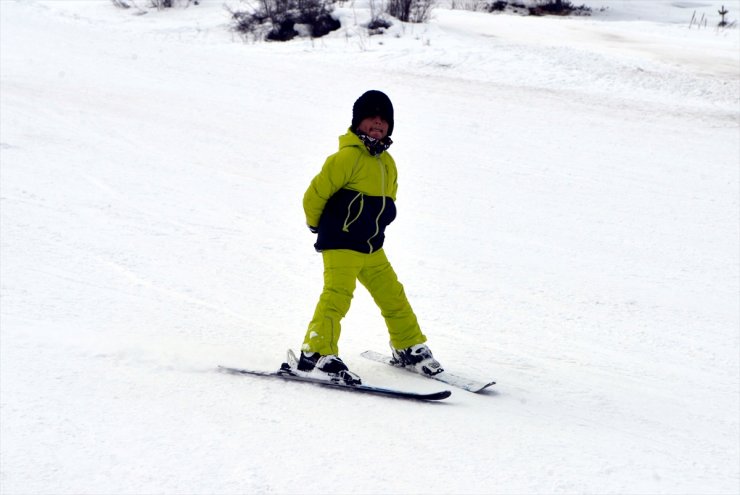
point(417, 11)
point(121, 4)
point(378, 23)
point(168, 4)
point(469, 5)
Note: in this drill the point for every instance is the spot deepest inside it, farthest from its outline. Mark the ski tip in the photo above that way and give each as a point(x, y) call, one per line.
point(440, 395)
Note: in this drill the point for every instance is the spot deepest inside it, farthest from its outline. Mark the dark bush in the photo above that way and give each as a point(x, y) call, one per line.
point(378, 24)
point(558, 7)
point(282, 30)
point(323, 25)
point(278, 18)
point(503, 5)
point(541, 7)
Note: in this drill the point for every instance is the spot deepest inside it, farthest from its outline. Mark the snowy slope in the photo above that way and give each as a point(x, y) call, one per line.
point(569, 225)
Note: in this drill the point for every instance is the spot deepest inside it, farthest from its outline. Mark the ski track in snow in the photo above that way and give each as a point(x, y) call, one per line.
point(569, 225)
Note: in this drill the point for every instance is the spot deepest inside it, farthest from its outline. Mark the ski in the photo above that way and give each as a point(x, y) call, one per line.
point(471, 385)
point(286, 373)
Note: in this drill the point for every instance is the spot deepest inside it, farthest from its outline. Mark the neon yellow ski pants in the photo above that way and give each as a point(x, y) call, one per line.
point(342, 269)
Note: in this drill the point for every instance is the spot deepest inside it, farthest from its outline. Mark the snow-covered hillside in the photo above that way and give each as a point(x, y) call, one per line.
point(569, 225)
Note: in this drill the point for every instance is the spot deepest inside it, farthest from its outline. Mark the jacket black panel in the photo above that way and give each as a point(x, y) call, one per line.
point(356, 221)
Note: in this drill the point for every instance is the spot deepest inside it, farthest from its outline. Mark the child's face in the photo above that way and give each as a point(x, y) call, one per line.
point(375, 127)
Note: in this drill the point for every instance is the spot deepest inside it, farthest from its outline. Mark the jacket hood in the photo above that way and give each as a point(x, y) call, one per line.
point(350, 139)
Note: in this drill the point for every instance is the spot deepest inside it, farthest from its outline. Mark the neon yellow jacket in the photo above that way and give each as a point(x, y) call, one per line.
point(352, 200)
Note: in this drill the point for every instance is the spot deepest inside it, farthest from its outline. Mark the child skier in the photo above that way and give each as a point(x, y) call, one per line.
point(349, 204)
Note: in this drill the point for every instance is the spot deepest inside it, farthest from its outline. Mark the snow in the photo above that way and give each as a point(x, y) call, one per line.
point(569, 225)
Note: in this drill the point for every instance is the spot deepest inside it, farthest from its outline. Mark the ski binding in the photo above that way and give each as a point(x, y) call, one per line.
point(471, 385)
point(288, 372)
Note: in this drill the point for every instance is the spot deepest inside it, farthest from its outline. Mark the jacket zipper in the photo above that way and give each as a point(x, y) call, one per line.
point(382, 208)
point(347, 221)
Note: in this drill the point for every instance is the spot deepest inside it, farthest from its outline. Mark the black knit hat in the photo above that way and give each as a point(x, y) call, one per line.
point(370, 104)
